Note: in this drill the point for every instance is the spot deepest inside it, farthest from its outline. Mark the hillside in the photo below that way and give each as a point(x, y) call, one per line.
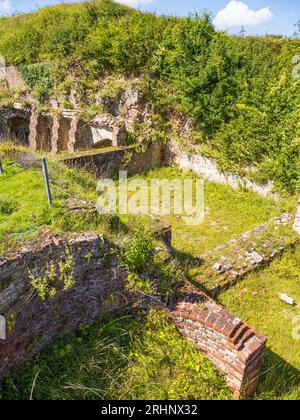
point(239, 91)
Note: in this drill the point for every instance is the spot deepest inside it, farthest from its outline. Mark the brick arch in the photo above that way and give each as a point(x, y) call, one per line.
point(18, 129)
point(44, 133)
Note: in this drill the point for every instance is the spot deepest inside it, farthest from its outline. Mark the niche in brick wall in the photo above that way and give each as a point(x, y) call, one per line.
point(44, 133)
point(63, 134)
point(18, 130)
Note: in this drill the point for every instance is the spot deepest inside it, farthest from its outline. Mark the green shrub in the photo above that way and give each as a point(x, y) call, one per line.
point(137, 252)
point(7, 206)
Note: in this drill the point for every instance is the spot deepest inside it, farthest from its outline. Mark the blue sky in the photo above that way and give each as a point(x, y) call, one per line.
point(257, 16)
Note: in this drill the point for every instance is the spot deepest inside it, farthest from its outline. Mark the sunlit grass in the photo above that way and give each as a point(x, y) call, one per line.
point(256, 301)
point(128, 358)
point(228, 213)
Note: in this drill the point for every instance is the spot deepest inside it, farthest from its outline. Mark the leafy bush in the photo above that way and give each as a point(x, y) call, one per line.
point(39, 78)
point(7, 206)
point(137, 252)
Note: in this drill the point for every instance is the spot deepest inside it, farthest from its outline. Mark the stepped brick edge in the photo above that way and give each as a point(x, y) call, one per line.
point(232, 346)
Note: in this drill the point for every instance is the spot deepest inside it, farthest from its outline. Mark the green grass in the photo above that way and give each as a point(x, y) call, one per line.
point(130, 358)
point(228, 213)
point(24, 209)
point(256, 301)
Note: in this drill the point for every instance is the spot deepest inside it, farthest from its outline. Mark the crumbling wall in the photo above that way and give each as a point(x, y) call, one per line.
point(31, 322)
point(208, 169)
point(234, 347)
point(13, 79)
point(133, 159)
point(106, 131)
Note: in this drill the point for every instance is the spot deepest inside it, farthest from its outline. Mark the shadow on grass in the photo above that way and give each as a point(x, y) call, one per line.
point(87, 364)
point(279, 379)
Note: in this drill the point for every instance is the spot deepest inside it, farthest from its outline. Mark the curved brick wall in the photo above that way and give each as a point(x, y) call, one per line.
point(234, 347)
point(32, 323)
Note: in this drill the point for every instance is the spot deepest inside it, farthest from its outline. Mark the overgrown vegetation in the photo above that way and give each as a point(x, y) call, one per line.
point(239, 91)
point(56, 276)
point(130, 358)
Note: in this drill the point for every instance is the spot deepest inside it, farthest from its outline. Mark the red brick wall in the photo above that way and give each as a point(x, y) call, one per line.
point(33, 323)
point(234, 347)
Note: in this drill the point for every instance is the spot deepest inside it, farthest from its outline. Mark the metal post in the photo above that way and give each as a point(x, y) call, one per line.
point(1, 168)
point(45, 170)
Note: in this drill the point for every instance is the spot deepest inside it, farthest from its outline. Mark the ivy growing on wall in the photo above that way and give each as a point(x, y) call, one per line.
point(39, 78)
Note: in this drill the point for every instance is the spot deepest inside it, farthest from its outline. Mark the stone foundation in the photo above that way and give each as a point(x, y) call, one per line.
point(234, 347)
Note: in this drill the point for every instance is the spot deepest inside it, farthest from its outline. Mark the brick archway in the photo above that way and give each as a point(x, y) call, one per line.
point(18, 129)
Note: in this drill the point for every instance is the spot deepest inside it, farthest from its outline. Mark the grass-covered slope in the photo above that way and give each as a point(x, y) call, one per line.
point(240, 91)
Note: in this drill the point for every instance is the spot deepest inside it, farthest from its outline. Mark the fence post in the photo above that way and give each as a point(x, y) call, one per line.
point(1, 168)
point(47, 182)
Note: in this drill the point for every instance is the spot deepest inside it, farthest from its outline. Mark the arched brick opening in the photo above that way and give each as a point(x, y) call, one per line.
point(18, 129)
point(63, 134)
point(44, 133)
point(83, 136)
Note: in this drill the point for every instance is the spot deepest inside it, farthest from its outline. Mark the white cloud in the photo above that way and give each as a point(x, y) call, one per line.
point(135, 3)
point(237, 14)
point(5, 5)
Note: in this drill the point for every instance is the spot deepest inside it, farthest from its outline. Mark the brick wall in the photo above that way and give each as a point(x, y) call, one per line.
point(32, 323)
point(234, 347)
point(131, 159)
point(13, 79)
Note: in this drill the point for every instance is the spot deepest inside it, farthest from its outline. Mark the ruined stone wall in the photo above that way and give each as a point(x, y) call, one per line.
point(32, 320)
point(207, 168)
point(234, 347)
point(14, 123)
point(32, 323)
point(133, 159)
